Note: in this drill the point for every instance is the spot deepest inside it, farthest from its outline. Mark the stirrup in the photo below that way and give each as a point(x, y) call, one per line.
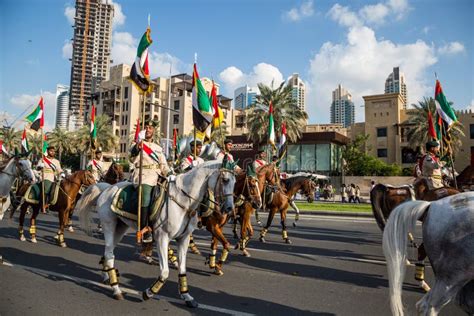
point(140, 233)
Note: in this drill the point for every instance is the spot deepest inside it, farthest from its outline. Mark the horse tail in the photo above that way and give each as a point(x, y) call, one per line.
point(88, 203)
point(376, 197)
point(395, 239)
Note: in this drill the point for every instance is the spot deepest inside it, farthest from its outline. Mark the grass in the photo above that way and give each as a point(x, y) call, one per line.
point(331, 207)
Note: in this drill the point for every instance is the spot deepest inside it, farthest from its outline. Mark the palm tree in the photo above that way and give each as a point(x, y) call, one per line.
point(105, 136)
point(10, 137)
point(418, 122)
point(284, 111)
point(62, 140)
point(35, 144)
point(219, 134)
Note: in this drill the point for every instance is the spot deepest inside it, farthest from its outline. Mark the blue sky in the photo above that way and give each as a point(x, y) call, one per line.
point(354, 43)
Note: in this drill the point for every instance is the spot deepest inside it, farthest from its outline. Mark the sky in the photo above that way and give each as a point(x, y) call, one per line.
point(353, 43)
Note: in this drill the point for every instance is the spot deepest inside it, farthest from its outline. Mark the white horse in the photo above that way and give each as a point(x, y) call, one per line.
point(16, 167)
point(448, 235)
point(176, 220)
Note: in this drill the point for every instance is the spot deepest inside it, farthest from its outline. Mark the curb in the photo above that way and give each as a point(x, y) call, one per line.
point(336, 213)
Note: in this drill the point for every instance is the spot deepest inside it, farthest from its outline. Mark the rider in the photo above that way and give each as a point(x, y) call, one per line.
point(417, 169)
point(52, 171)
point(431, 166)
point(154, 165)
point(190, 162)
point(260, 160)
point(96, 166)
point(227, 148)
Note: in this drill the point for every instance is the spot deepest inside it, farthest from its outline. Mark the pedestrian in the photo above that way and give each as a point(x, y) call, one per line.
point(351, 193)
point(343, 193)
point(357, 195)
point(316, 192)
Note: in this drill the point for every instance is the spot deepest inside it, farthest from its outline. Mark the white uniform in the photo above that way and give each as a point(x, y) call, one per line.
point(154, 164)
point(52, 168)
point(96, 166)
point(431, 170)
point(190, 162)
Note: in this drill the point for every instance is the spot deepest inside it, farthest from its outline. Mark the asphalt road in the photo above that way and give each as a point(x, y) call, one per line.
point(335, 266)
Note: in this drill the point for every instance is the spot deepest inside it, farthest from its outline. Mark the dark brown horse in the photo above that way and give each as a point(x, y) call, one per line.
point(69, 188)
point(302, 184)
point(246, 190)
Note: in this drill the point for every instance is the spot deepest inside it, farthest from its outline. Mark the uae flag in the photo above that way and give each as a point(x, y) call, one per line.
point(24, 142)
point(36, 118)
point(271, 126)
point(218, 115)
point(442, 106)
point(282, 145)
point(137, 131)
point(93, 130)
point(202, 110)
point(431, 128)
point(140, 73)
point(3, 150)
point(151, 153)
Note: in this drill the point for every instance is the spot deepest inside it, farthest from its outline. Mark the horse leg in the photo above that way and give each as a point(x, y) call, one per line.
point(297, 210)
point(183, 282)
point(247, 231)
point(69, 221)
point(264, 231)
point(21, 220)
point(113, 233)
point(420, 268)
point(62, 216)
point(162, 243)
point(284, 232)
point(192, 246)
point(440, 295)
point(225, 249)
point(212, 255)
point(33, 224)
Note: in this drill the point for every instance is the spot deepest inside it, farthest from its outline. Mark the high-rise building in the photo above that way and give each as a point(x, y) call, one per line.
point(342, 107)
point(90, 54)
point(396, 83)
point(62, 105)
point(299, 91)
point(244, 97)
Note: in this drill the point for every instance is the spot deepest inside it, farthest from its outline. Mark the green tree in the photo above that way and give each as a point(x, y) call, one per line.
point(35, 143)
point(358, 163)
point(418, 122)
point(62, 140)
point(284, 111)
point(105, 136)
point(219, 134)
point(11, 138)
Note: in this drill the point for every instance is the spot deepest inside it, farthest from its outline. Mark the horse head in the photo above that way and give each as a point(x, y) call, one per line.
point(308, 188)
point(23, 168)
point(85, 177)
point(222, 183)
point(253, 190)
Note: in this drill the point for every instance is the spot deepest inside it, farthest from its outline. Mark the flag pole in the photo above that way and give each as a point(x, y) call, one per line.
point(194, 140)
point(42, 170)
point(139, 233)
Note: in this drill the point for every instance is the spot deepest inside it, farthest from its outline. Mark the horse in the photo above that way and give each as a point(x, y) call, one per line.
point(465, 179)
point(16, 167)
point(246, 190)
point(68, 190)
point(176, 220)
point(297, 184)
point(448, 234)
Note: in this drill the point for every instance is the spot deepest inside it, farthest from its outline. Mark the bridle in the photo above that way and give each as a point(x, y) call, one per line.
point(19, 172)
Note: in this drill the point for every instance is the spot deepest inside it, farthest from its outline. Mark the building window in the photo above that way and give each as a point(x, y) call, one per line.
point(126, 93)
point(176, 119)
point(471, 127)
point(176, 104)
point(382, 132)
point(382, 152)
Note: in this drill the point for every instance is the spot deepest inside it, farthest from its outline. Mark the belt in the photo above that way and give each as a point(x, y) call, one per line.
point(150, 167)
point(437, 177)
point(48, 171)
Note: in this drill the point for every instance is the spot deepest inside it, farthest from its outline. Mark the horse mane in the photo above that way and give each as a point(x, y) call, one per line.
point(289, 182)
point(3, 166)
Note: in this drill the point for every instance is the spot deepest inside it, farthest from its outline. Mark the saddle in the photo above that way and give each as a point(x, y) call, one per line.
point(393, 196)
point(125, 202)
point(269, 193)
point(206, 208)
point(33, 194)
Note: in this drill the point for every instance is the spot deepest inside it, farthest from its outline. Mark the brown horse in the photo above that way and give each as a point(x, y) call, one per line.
point(302, 184)
point(422, 191)
point(246, 190)
point(69, 188)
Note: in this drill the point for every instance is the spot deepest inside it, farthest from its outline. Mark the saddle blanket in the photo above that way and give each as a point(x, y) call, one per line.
point(125, 202)
point(33, 194)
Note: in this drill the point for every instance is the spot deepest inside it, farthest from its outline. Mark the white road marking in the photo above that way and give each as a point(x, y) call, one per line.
point(127, 290)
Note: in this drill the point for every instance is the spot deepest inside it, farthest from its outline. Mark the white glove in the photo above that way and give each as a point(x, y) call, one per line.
point(195, 163)
point(141, 135)
point(171, 178)
point(62, 175)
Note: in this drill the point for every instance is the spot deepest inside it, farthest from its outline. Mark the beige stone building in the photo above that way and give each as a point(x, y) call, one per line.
point(316, 128)
point(465, 155)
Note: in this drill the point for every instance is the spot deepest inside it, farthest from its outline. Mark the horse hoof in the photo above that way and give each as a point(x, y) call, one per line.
point(70, 229)
point(192, 304)
point(245, 253)
point(118, 296)
point(145, 296)
point(259, 223)
point(195, 251)
point(218, 272)
point(33, 240)
point(424, 286)
point(22, 238)
point(288, 241)
point(262, 239)
point(294, 224)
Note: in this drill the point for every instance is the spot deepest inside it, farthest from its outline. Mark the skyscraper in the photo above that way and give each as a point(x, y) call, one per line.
point(342, 107)
point(299, 91)
point(62, 104)
point(244, 97)
point(90, 55)
point(396, 83)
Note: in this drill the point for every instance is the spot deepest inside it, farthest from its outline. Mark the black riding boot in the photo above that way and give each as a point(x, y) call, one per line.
point(147, 236)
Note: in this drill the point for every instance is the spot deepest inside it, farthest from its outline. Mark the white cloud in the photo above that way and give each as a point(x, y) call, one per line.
point(305, 10)
point(399, 7)
point(70, 13)
point(67, 50)
point(124, 50)
point(344, 16)
point(426, 30)
point(451, 48)
point(232, 77)
point(361, 64)
point(29, 101)
point(374, 14)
